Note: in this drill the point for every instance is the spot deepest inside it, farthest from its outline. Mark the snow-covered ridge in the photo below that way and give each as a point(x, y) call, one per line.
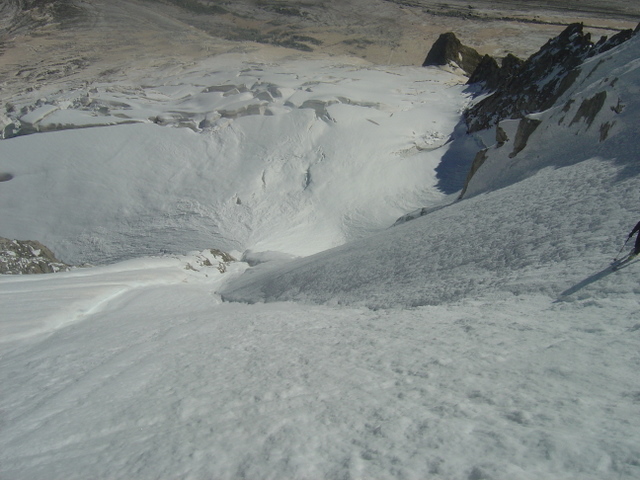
point(520, 87)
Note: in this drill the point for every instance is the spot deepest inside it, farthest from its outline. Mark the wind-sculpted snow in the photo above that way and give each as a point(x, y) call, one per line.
point(138, 370)
point(185, 100)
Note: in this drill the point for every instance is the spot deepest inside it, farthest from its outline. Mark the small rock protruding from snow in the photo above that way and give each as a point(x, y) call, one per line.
point(210, 258)
point(26, 256)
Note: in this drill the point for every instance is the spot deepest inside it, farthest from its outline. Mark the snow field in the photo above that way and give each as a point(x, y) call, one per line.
point(297, 157)
point(530, 237)
point(187, 385)
point(488, 339)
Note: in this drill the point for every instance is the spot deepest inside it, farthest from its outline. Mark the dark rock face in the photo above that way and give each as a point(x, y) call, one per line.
point(487, 72)
point(478, 160)
point(525, 128)
point(26, 256)
point(532, 86)
point(449, 50)
point(493, 76)
point(589, 108)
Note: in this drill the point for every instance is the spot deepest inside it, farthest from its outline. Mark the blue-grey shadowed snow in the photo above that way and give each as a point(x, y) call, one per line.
point(630, 163)
point(455, 164)
point(588, 281)
point(595, 277)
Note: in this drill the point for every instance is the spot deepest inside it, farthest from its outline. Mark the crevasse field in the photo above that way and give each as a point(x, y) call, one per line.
point(488, 339)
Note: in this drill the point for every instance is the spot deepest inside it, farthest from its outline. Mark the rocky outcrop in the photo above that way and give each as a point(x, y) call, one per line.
point(479, 159)
point(210, 258)
point(493, 76)
point(27, 256)
point(524, 94)
point(525, 128)
point(448, 50)
point(487, 72)
point(589, 108)
point(532, 86)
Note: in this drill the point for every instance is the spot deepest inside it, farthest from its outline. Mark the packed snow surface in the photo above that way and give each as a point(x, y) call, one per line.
point(489, 339)
point(138, 370)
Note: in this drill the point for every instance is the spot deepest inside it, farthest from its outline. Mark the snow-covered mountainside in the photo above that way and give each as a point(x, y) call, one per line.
point(488, 338)
point(568, 194)
point(594, 114)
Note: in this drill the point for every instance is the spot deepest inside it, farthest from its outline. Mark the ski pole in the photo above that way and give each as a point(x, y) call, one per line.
point(621, 248)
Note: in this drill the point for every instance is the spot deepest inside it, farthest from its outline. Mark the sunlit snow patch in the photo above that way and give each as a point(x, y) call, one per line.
point(295, 157)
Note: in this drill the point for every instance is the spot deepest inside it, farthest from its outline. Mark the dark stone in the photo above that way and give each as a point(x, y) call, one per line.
point(486, 72)
point(449, 50)
point(525, 128)
point(604, 130)
point(493, 76)
point(532, 86)
point(607, 44)
point(589, 108)
point(501, 136)
point(478, 160)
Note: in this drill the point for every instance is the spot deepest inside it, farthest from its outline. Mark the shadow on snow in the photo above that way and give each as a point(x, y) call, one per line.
point(595, 277)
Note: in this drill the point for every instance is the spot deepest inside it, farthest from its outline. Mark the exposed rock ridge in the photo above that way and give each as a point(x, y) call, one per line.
point(521, 88)
point(523, 99)
point(494, 76)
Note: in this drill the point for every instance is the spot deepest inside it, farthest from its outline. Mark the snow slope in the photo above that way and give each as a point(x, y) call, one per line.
point(138, 370)
point(296, 156)
point(532, 237)
point(488, 339)
point(570, 195)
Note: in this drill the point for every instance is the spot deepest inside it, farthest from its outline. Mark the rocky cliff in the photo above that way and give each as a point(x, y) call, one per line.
point(524, 87)
point(448, 50)
point(570, 89)
point(516, 93)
